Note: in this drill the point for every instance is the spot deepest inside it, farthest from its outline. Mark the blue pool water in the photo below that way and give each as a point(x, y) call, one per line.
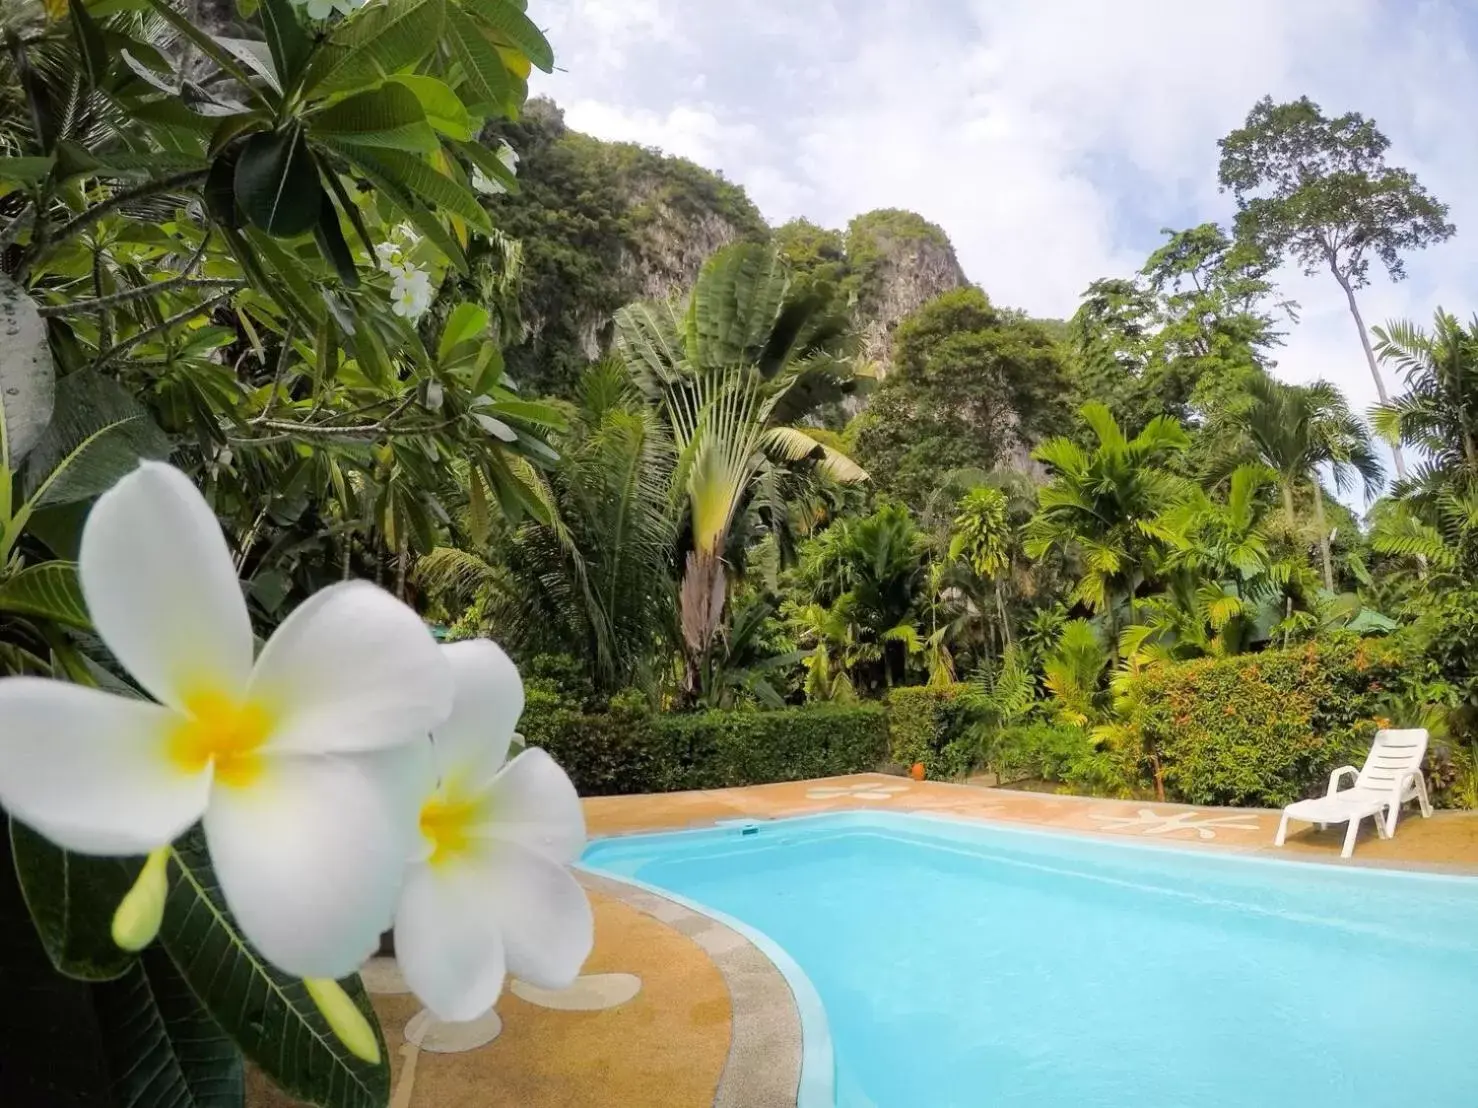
point(966, 965)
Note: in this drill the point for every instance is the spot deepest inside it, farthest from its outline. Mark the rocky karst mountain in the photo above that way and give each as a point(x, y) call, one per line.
point(603, 224)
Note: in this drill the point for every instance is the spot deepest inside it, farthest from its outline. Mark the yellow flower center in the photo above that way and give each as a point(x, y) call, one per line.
point(220, 730)
point(446, 821)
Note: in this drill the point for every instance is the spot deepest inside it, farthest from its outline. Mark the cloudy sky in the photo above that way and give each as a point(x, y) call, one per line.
point(1052, 139)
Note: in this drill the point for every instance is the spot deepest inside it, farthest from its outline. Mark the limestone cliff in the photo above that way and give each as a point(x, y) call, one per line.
point(603, 224)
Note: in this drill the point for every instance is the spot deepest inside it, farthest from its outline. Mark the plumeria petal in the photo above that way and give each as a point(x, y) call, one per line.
point(447, 940)
point(310, 856)
point(532, 804)
point(543, 915)
point(351, 669)
point(91, 770)
point(487, 700)
point(161, 587)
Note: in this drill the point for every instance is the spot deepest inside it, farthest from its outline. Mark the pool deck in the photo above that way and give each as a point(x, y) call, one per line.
point(711, 1023)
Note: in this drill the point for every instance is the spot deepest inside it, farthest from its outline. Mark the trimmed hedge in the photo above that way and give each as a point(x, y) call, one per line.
point(628, 750)
point(1264, 730)
point(930, 724)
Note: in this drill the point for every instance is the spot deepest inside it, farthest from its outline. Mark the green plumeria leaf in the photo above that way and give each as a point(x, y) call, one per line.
point(47, 590)
point(378, 41)
point(98, 433)
point(90, 44)
point(277, 183)
point(330, 238)
point(415, 176)
point(484, 74)
point(517, 28)
point(24, 170)
point(443, 109)
point(391, 115)
point(268, 1014)
point(289, 42)
point(71, 898)
point(467, 321)
point(162, 1046)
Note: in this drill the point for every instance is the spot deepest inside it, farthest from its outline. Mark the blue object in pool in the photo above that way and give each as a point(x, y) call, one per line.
point(962, 964)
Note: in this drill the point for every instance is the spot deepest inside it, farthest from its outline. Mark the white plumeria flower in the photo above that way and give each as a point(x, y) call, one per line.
point(410, 293)
point(322, 9)
point(297, 762)
point(489, 893)
point(485, 184)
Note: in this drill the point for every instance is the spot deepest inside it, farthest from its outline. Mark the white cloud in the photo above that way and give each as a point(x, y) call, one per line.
point(1051, 140)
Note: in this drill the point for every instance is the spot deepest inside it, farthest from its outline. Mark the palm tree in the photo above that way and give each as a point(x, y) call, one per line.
point(1438, 413)
point(874, 570)
point(982, 538)
point(1296, 429)
point(1103, 504)
point(595, 580)
point(730, 369)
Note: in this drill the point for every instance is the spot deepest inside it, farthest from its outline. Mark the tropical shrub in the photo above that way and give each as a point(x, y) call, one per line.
point(1061, 754)
point(931, 724)
point(1265, 730)
point(627, 750)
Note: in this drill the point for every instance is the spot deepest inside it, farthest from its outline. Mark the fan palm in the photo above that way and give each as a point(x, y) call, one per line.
point(1295, 430)
point(1438, 413)
point(729, 370)
point(1103, 504)
point(594, 581)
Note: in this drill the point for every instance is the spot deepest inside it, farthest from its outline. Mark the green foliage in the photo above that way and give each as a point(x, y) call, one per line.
point(1101, 505)
point(1182, 337)
point(971, 386)
point(1438, 412)
point(629, 751)
point(1265, 730)
point(931, 724)
point(1059, 754)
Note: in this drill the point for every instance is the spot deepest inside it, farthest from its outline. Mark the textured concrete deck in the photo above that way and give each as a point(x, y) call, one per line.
point(709, 1025)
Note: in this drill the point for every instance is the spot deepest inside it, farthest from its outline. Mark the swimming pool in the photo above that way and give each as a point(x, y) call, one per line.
point(972, 965)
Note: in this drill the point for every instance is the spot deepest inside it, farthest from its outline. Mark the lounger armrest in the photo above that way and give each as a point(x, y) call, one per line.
point(1337, 774)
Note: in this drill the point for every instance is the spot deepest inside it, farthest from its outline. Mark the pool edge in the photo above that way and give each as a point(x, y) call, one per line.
point(816, 1084)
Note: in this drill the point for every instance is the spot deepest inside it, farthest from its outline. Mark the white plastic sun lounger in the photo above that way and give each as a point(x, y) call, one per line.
point(1392, 775)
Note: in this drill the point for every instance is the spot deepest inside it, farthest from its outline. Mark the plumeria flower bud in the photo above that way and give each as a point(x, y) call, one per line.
point(490, 893)
point(296, 762)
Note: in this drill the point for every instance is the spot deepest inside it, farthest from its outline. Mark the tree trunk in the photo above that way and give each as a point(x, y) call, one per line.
point(701, 609)
point(1323, 536)
point(1006, 639)
point(1380, 385)
point(1288, 508)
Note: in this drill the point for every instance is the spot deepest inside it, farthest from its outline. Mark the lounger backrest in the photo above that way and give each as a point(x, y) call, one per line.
point(1392, 754)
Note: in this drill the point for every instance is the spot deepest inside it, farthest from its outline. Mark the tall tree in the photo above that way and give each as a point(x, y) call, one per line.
point(1318, 190)
point(1295, 430)
point(1184, 334)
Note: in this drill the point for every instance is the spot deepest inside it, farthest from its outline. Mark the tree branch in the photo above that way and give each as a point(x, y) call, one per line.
point(76, 307)
point(179, 317)
point(17, 225)
point(118, 199)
